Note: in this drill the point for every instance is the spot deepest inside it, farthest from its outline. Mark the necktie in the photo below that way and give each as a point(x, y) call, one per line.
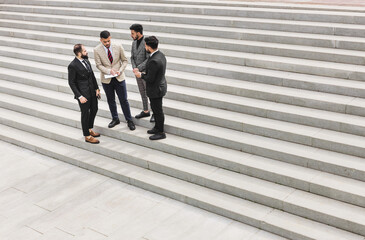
point(87, 66)
point(110, 56)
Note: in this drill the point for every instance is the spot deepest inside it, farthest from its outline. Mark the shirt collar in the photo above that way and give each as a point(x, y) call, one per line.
point(106, 49)
point(154, 53)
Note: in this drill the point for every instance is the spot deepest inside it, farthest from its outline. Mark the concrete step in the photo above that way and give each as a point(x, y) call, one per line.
point(280, 5)
point(305, 179)
point(230, 52)
point(285, 95)
point(119, 170)
point(271, 220)
point(302, 81)
point(277, 111)
point(233, 35)
point(265, 13)
point(301, 155)
point(176, 22)
point(350, 218)
point(268, 169)
point(253, 62)
point(324, 139)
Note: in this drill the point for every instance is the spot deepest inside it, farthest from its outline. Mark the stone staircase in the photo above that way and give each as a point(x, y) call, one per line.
point(265, 108)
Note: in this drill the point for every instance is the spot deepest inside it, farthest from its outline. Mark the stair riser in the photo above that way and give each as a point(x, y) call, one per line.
point(237, 47)
point(261, 37)
point(142, 184)
point(202, 10)
point(223, 163)
point(294, 118)
point(214, 120)
point(136, 16)
point(252, 196)
point(348, 91)
point(290, 67)
point(251, 93)
point(212, 139)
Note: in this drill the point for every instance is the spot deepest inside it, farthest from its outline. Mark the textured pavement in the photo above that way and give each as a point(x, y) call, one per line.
point(43, 198)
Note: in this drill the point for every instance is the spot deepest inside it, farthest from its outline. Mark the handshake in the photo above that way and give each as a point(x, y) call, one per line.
point(137, 73)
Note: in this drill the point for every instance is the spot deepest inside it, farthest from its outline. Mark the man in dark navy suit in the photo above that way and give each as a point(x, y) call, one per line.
point(156, 86)
point(83, 83)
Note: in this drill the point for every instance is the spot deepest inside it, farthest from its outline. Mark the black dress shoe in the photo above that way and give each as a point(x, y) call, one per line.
point(113, 123)
point(152, 118)
point(142, 115)
point(131, 125)
point(158, 136)
point(152, 131)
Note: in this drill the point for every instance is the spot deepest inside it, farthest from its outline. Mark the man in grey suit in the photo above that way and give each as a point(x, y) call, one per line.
point(139, 58)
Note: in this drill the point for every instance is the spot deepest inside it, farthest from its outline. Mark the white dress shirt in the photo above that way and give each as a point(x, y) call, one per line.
point(106, 50)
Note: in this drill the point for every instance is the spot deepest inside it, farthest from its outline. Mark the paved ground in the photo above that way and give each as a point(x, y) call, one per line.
point(325, 2)
point(43, 198)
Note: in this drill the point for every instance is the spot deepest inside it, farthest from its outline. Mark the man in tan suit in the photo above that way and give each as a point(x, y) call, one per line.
point(111, 60)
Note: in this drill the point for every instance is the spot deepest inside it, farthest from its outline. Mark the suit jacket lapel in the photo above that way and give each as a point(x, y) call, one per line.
point(80, 66)
point(102, 52)
point(141, 46)
point(115, 53)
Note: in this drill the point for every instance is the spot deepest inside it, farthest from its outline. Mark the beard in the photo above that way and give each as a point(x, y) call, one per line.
point(148, 51)
point(85, 56)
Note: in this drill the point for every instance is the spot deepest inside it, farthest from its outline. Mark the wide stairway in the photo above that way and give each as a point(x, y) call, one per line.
point(265, 106)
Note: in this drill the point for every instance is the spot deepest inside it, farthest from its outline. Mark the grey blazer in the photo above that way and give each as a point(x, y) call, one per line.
point(139, 56)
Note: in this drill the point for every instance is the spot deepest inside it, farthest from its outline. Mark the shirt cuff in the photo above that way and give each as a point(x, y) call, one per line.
point(80, 97)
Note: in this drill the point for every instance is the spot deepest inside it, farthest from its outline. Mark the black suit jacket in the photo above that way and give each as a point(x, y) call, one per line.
point(156, 85)
point(81, 81)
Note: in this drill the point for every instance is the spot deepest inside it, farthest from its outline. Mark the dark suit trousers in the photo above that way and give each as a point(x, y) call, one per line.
point(156, 105)
point(121, 89)
point(88, 113)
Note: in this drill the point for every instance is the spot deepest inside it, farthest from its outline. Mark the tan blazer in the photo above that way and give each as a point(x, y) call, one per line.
point(103, 64)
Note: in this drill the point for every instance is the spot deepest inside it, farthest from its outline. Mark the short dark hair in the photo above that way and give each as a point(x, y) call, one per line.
point(104, 34)
point(78, 48)
point(137, 28)
point(152, 41)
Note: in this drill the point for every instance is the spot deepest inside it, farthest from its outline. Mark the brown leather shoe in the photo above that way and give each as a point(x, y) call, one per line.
point(91, 139)
point(94, 134)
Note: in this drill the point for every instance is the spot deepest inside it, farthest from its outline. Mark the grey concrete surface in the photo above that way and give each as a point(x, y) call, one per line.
point(42, 198)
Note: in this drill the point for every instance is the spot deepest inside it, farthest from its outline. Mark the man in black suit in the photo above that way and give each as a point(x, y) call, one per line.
point(83, 83)
point(156, 86)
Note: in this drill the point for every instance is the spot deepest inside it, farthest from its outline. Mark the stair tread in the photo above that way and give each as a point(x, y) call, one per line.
point(202, 38)
point(308, 152)
point(252, 65)
point(257, 103)
point(191, 16)
point(140, 174)
point(284, 5)
point(224, 114)
point(252, 210)
point(271, 165)
point(194, 6)
point(255, 86)
point(327, 97)
point(212, 28)
point(307, 200)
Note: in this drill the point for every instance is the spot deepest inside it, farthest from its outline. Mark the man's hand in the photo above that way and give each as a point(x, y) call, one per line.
point(118, 73)
point(112, 72)
point(83, 100)
point(98, 95)
point(137, 73)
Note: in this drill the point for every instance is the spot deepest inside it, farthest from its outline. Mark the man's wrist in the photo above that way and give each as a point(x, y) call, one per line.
point(81, 97)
